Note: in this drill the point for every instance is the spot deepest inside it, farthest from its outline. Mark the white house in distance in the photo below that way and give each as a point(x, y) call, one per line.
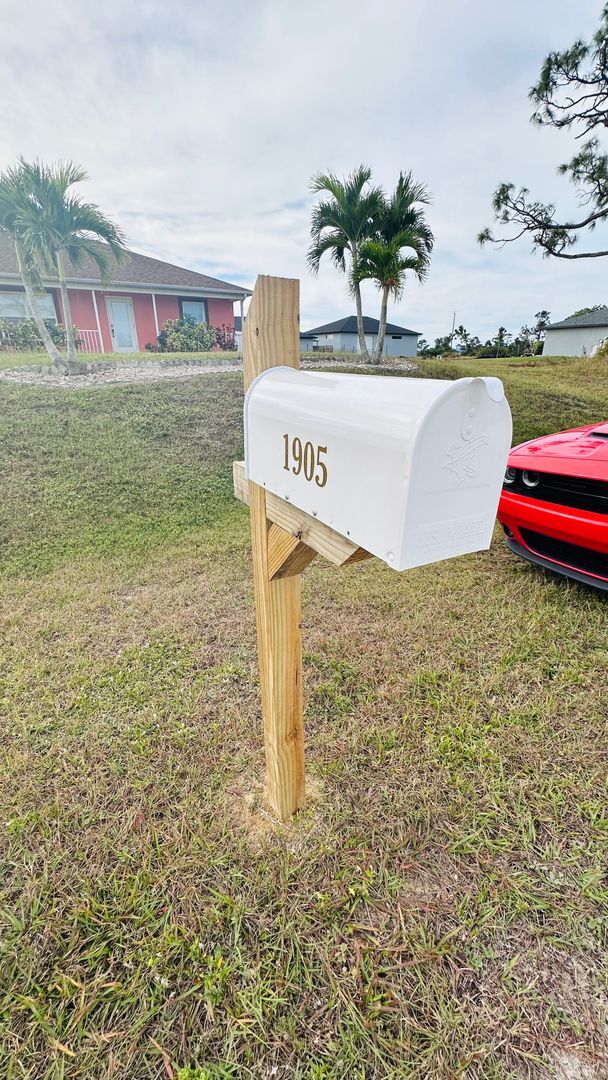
point(576, 336)
point(341, 336)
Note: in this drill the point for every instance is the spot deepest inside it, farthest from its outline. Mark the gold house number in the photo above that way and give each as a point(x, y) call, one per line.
point(306, 458)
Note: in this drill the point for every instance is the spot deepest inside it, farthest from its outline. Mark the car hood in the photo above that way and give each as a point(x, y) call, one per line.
point(579, 452)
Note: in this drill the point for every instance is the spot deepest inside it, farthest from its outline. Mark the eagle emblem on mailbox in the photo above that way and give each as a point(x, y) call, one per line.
point(461, 456)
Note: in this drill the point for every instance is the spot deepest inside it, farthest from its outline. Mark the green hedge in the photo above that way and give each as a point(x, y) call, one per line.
point(21, 335)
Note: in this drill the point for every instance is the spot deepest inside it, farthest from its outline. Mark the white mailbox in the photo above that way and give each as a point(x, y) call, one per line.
point(409, 469)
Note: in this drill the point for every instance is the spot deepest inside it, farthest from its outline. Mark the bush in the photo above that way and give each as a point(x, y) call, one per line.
point(225, 338)
point(21, 335)
point(188, 335)
point(489, 352)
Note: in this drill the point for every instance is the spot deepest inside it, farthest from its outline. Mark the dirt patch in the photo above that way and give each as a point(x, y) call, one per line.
point(568, 1066)
point(248, 799)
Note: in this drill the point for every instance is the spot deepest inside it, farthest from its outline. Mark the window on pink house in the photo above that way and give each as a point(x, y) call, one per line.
point(13, 305)
point(196, 309)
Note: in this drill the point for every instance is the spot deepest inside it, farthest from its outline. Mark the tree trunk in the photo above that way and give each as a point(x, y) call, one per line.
point(32, 303)
point(359, 307)
point(67, 314)
point(377, 357)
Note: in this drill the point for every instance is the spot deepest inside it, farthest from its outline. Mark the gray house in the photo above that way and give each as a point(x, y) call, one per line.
point(341, 336)
point(306, 340)
point(578, 335)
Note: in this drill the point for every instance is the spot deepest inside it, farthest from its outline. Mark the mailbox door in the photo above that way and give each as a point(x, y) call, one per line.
point(457, 472)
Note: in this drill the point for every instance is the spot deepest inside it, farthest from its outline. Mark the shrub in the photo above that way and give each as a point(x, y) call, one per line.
point(186, 335)
point(225, 338)
point(490, 352)
point(21, 335)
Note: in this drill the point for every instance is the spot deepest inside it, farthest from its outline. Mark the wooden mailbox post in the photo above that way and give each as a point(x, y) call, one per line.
point(411, 468)
point(284, 541)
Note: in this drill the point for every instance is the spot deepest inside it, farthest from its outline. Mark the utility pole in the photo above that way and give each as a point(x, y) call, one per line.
point(452, 334)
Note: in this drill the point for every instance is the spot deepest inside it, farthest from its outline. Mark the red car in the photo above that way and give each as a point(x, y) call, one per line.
point(554, 503)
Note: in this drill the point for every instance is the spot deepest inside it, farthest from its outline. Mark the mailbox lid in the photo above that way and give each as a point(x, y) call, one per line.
point(345, 400)
point(360, 434)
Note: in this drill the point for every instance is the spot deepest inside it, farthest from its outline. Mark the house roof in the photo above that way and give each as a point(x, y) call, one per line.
point(592, 318)
point(349, 326)
point(138, 270)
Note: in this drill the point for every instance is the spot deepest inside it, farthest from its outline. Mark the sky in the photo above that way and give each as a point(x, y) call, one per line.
point(201, 122)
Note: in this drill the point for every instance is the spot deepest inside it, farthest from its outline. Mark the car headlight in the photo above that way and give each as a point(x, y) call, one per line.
point(510, 475)
point(530, 479)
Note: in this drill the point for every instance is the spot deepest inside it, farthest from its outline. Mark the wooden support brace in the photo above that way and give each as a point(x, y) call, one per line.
point(338, 549)
point(287, 555)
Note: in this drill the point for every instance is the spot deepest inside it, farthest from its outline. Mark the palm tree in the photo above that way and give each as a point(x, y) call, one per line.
point(56, 227)
point(13, 200)
point(403, 242)
point(340, 224)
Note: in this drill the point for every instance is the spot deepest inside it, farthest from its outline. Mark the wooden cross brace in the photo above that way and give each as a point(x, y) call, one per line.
point(284, 541)
point(295, 537)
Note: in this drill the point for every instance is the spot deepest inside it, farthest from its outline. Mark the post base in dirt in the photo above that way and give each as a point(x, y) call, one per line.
point(271, 337)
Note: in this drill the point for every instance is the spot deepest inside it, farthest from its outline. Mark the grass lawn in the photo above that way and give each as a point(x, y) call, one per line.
point(441, 907)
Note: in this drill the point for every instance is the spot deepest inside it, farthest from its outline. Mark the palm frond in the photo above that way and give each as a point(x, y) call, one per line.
point(408, 191)
point(387, 237)
point(342, 190)
point(35, 200)
point(332, 242)
point(387, 263)
point(345, 218)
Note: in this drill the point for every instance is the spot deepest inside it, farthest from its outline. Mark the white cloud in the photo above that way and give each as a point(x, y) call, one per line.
point(201, 124)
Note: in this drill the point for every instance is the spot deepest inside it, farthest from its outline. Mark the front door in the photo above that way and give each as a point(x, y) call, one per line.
point(122, 323)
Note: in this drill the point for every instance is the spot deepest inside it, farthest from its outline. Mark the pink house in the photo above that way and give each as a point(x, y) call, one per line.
point(130, 313)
